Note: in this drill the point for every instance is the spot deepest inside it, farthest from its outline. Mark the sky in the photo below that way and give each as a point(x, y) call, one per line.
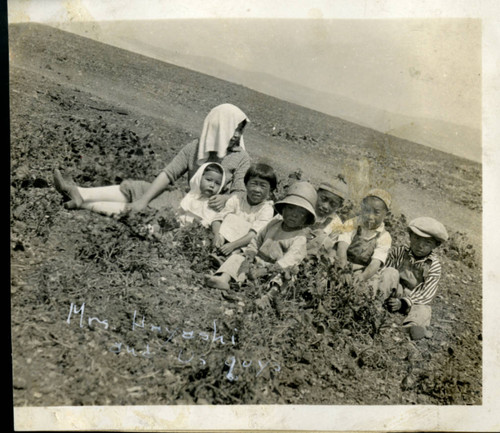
point(372, 62)
point(426, 64)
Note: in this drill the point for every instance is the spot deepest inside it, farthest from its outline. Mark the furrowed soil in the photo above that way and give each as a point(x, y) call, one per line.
point(113, 311)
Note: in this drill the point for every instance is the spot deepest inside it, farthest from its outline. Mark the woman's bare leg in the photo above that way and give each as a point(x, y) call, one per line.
point(102, 199)
point(108, 208)
point(110, 193)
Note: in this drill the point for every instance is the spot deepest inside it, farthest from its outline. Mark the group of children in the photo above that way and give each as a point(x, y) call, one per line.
point(257, 237)
point(260, 238)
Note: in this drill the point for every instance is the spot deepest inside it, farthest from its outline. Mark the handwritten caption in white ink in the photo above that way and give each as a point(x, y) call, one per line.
point(79, 314)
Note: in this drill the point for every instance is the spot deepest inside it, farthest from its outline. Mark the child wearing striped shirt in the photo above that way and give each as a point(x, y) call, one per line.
point(412, 275)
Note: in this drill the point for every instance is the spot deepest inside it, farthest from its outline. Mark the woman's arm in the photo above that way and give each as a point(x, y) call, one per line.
point(181, 163)
point(175, 169)
point(218, 201)
point(238, 181)
point(157, 187)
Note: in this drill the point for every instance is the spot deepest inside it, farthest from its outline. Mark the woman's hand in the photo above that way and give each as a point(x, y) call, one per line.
point(217, 202)
point(136, 206)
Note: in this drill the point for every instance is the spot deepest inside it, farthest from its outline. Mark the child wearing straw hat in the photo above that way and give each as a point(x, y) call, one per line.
point(412, 274)
point(279, 246)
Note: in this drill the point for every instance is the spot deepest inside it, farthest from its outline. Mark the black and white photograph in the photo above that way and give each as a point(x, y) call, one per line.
point(247, 216)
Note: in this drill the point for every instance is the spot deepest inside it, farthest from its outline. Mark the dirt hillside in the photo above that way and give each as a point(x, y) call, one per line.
point(104, 312)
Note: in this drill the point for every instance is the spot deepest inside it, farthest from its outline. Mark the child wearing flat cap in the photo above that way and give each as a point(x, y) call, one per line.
point(412, 274)
point(365, 243)
point(323, 234)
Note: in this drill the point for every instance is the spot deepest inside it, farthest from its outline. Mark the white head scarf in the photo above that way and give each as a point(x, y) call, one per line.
point(194, 205)
point(218, 129)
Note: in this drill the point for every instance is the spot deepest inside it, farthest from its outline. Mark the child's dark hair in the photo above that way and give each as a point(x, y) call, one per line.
point(264, 171)
point(216, 168)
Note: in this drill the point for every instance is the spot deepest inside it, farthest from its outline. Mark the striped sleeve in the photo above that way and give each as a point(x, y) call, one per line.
point(424, 293)
point(394, 257)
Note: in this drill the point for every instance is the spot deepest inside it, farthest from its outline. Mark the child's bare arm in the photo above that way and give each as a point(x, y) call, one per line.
point(342, 253)
point(218, 240)
point(239, 243)
point(370, 270)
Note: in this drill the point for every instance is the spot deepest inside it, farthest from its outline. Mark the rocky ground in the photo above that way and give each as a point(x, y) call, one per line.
point(105, 312)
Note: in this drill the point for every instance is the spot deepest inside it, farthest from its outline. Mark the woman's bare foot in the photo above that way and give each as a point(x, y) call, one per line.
point(69, 190)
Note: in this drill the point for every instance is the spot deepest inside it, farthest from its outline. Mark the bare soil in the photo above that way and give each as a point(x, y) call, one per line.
point(105, 311)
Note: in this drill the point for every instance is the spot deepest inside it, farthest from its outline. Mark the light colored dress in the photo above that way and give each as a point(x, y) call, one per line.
point(194, 205)
point(239, 217)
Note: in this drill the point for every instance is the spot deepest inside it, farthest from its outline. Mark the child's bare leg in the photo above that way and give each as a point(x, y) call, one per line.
point(389, 280)
point(218, 281)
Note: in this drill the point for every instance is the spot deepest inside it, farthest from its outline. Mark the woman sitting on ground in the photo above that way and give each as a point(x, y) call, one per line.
point(221, 141)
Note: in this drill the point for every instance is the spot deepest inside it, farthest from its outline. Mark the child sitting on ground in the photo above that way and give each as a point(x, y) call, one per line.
point(279, 246)
point(323, 234)
point(205, 183)
point(365, 243)
point(412, 275)
point(245, 213)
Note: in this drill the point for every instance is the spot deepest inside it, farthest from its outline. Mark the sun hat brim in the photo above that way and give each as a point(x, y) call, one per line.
point(297, 201)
